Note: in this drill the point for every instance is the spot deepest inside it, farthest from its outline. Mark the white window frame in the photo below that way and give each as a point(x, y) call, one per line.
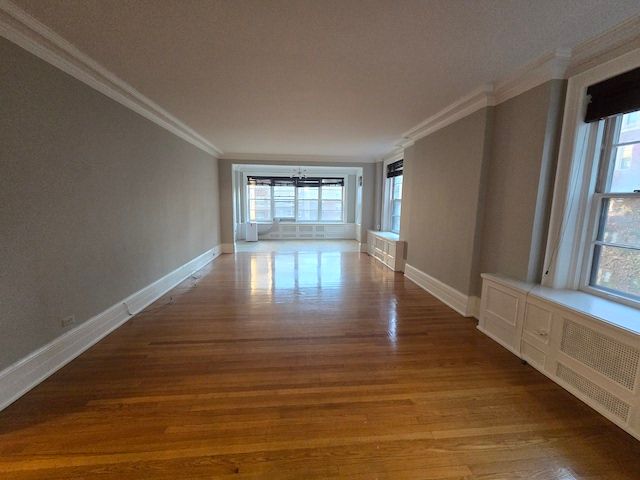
point(575, 206)
point(391, 201)
point(248, 202)
point(295, 207)
point(387, 193)
point(594, 211)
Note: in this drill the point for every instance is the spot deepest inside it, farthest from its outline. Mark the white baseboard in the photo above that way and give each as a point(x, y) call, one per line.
point(22, 376)
point(228, 247)
point(463, 304)
point(474, 307)
point(364, 247)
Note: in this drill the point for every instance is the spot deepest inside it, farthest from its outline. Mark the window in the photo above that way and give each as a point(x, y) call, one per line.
point(394, 195)
point(284, 201)
point(615, 248)
point(259, 203)
point(396, 203)
point(593, 241)
point(296, 199)
point(308, 197)
point(331, 208)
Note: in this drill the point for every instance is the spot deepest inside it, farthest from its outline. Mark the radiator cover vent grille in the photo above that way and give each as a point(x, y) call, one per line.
point(609, 402)
point(613, 359)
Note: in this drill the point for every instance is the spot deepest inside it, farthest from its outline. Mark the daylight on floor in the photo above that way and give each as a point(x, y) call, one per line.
point(320, 239)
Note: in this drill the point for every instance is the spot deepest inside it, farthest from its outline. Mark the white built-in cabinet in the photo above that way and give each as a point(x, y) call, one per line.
point(588, 345)
point(387, 248)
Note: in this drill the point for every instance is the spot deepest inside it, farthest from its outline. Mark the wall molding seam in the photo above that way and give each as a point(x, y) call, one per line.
point(461, 303)
point(25, 31)
point(25, 374)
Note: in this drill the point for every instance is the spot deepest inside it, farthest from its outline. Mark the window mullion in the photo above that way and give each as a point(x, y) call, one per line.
point(273, 202)
point(617, 245)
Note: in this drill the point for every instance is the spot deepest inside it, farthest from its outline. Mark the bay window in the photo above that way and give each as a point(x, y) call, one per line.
point(331, 203)
point(259, 202)
point(296, 199)
point(284, 200)
point(308, 205)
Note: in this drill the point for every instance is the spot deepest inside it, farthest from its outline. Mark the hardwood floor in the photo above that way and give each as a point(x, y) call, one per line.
point(300, 366)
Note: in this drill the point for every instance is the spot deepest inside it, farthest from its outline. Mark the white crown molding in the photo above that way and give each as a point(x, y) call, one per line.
point(22, 376)
point(396, 154)
point(560, 64)
point(612, 43)
point(270, 157)
point(552, 66)
point(271, 169)
point(22, 29)
point(463, 107)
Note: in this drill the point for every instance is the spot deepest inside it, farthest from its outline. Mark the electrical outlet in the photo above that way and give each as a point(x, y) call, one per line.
point(66, 321)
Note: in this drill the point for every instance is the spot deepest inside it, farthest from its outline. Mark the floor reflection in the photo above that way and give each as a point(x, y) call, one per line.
point(392, 327)
point(295, 270)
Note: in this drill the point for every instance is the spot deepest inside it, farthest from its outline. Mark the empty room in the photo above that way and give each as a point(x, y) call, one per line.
point(320, 239)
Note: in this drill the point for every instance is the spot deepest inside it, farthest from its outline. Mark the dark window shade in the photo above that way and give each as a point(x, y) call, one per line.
point(297, 182)
point(620, 94)
point(395, 169)
point(259, 181)
point(317, 182)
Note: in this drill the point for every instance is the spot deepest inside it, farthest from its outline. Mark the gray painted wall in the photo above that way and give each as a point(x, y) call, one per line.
point(477, 193)
point(519, 182)
point(444, 186)
point(226, 191)
point(96, 202)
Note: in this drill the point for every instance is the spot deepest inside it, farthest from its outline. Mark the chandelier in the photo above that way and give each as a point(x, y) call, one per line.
point(299, 173)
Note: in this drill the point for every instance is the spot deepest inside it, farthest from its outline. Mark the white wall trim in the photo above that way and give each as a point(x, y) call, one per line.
point(22, 376)
point(285, 157)
point(554, 65)
point(397, 153)
point(547, 67)
point(24, 30)
point(463, 107)
point(474, 307)
point(461, 303)
point(595, 51)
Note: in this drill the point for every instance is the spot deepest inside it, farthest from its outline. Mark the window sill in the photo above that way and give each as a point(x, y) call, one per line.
point(613, 313)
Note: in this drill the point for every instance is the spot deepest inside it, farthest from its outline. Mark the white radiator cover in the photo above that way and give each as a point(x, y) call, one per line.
point(299, 231)
point(596, 361)
point(387, 248)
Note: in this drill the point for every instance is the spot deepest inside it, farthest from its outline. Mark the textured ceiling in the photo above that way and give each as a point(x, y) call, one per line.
point(317, 77)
